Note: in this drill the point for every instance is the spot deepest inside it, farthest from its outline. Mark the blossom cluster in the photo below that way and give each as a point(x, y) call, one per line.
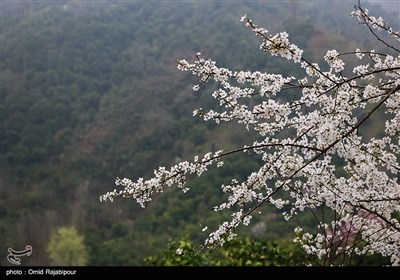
point(276, 45)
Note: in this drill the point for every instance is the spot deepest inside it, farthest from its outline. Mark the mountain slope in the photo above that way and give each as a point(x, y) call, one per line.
point(90, 91)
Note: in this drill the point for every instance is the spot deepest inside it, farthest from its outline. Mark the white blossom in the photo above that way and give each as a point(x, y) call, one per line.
point(179, 251)
point(332, 58)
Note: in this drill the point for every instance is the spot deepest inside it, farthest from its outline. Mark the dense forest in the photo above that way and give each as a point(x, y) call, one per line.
point(90, 92)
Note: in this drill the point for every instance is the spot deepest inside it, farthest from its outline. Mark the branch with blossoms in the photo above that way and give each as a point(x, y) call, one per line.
point(375, 23)
point(307, 124)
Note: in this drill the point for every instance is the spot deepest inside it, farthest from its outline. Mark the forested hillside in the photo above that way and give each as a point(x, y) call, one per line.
point(90, 91)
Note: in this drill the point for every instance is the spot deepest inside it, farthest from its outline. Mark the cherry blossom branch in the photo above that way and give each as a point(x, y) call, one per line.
point(378, 23)
point(302, 136)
